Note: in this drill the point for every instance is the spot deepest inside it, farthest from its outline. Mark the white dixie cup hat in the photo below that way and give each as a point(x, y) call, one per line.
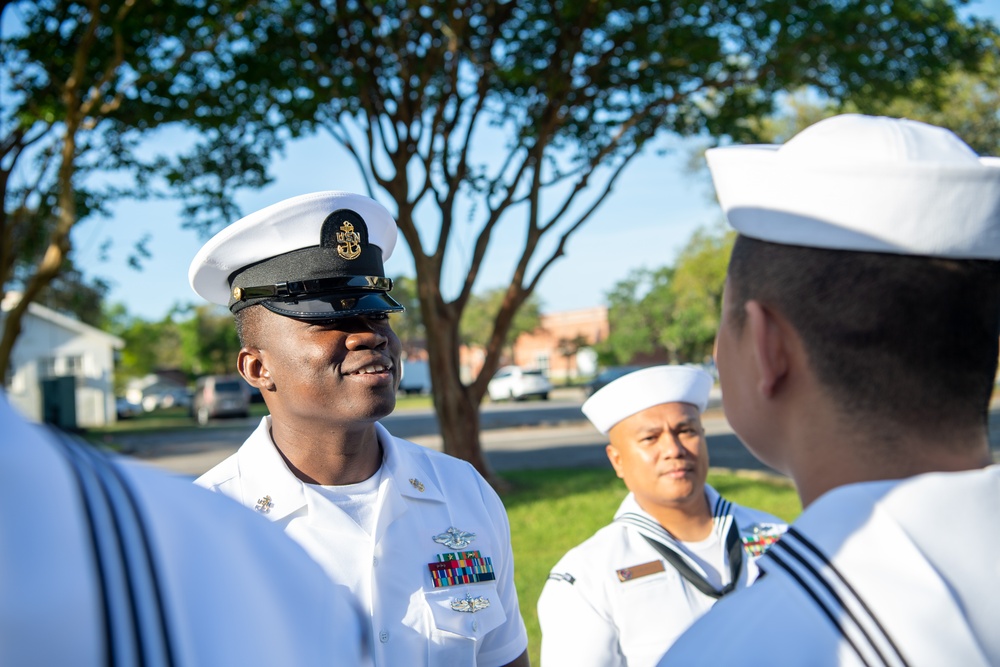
point(864, 183)
point(644, 388)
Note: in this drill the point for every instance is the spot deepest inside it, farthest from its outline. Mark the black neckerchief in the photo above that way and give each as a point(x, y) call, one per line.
point(733, 547)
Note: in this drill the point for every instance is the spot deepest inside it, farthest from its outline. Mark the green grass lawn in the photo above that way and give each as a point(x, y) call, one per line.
point(552, 511)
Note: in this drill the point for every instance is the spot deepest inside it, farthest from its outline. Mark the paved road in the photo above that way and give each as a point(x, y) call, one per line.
point(550, 436)
point(515, 436)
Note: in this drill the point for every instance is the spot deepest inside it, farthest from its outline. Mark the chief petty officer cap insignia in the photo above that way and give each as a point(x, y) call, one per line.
point(313, 257)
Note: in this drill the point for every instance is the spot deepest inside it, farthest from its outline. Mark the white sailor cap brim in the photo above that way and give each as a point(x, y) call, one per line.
point(864, 183)
point(645, 388)
point(315, 256)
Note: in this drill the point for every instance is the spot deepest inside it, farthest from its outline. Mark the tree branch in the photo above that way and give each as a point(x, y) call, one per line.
point(560, 247)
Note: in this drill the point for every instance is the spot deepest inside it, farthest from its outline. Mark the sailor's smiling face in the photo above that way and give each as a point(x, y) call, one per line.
point(341, 370)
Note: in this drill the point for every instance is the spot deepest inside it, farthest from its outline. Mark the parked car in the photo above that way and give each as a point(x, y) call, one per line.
point(166, 398)
point(416, 378)
point(515, 383)
point(220, 396)
point(607, 376)
point(255, 395)
point(126, 409)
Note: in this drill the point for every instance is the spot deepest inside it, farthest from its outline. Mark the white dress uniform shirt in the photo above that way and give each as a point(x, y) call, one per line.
point(422, 494)
point(108, 562)
point(613, 600)
point(876, 573)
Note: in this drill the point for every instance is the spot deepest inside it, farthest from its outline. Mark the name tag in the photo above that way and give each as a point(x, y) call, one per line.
point(636, 571)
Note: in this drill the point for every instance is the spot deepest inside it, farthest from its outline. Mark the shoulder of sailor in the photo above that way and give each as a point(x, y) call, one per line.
point(221, 475)
point(612, 547)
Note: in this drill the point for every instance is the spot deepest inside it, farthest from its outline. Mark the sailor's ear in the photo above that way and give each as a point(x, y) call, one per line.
point(252, 365)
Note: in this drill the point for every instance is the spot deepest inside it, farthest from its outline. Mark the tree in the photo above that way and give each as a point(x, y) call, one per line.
point(966, 101)
point(409, 324)
point(71, 292)
point(208, 339)
point(638, 308)
point(481, 313)
point(699, 276)
point(148, 345)
point(568, 347)
point(671, 312)
point(800, 110)
point(83, 83)
point(419, 94)
point(197, 340)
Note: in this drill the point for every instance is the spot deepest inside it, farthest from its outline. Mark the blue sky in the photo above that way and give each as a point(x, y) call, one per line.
point(655, 207)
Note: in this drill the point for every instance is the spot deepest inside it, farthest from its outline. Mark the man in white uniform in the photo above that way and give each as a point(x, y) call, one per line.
point(857, 352)
point(675, 546)
point(419, 537)
point(108, 562)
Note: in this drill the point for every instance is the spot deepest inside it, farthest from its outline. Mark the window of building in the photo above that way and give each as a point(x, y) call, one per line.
point(73, 365)
point(58, 366)
point(46, 367)
point(542, 362)
point(14, 382)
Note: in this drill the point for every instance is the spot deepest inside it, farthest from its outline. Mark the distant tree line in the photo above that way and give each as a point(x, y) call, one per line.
point(670, 313)
point(198, 340)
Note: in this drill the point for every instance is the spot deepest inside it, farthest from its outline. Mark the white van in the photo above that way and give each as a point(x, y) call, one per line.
point(416, 377)
point(220, 396)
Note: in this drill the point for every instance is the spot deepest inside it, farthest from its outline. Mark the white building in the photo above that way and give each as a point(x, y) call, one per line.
point(61, 365)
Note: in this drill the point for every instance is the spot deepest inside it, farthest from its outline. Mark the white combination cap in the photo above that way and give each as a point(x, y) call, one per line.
point(864, 183)
point(644, 388)
point(315, 256)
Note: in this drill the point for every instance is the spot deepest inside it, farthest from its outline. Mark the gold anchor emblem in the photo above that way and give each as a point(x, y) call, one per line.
point(348, 242)
point(417, 484)
point(263, 505)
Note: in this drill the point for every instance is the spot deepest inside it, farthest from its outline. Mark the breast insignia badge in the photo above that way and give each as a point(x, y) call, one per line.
point(263, 505)
point(417, 484)
point(760, 536)
point(470, 604)
point(453, 538)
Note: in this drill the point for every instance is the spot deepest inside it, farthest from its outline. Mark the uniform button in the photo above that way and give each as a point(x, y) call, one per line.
point(383, 636)
point(475, 626)
point(375, 561)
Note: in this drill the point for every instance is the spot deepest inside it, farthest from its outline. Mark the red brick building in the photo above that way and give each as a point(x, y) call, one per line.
point(562, 344)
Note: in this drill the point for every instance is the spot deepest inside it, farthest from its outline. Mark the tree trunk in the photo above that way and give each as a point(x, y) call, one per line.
point(456, 405)
point(49, 266)
point(458, 416)
point(11, 330)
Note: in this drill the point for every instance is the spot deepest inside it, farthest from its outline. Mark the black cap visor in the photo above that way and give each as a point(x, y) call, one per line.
point(333, 306)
